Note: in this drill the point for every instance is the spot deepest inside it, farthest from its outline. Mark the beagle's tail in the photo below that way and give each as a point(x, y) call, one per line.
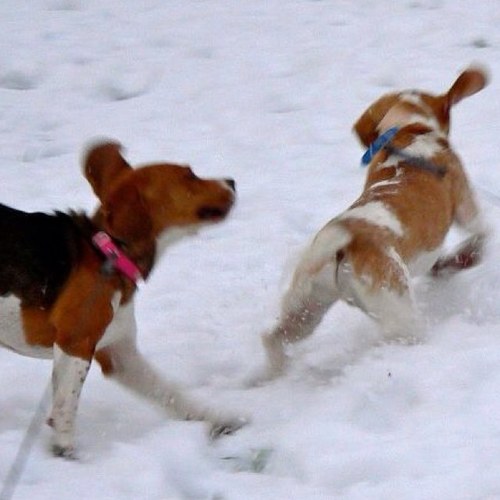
point(324, 248)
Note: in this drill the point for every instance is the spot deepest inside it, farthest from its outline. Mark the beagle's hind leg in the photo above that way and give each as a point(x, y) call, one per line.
point(308, 298)
point(312, 292)
point(397, 315)
point(391, 303)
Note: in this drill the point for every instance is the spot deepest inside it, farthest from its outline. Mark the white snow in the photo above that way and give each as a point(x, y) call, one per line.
point(265, 92)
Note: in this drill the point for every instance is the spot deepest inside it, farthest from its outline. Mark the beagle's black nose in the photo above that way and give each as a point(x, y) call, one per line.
point(231, 184)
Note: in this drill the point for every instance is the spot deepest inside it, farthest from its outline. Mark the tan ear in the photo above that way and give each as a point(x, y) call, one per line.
point(366, 125)
point(469, 82)
point(102, 165)
point(127, 216)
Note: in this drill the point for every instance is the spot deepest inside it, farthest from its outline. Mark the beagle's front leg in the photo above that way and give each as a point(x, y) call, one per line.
point(68, 375)
point(470, 219)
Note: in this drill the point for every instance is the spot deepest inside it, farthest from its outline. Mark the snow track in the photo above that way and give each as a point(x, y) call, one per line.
point(265, 92)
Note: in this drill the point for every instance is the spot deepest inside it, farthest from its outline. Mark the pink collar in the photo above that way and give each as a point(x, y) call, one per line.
point(116, 258)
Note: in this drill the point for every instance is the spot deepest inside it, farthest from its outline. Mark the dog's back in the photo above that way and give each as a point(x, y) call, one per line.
point(37, 252)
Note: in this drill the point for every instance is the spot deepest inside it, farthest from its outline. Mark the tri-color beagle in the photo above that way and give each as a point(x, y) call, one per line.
point(415, 190)
point(67, 281)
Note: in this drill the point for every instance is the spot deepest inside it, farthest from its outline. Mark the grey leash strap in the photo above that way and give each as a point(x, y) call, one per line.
point(417, 161)
point(13, 476)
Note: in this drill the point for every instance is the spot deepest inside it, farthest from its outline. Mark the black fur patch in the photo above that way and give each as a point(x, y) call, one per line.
point(37, 253)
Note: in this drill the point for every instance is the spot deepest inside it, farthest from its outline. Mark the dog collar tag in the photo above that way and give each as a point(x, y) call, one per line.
point(377, 145)
point(116, 258)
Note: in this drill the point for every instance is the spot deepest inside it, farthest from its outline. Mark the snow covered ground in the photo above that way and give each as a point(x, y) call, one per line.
point(265, 92)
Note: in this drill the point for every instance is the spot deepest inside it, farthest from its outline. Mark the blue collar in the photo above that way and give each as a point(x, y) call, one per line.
point(377, 145)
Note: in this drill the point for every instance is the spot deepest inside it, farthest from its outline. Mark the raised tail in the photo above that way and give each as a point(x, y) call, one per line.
point(325, 247)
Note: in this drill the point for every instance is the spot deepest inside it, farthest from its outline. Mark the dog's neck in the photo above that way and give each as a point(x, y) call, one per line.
point(116, 259)
point(414, 145)
point(171, 236)
point(141, 253)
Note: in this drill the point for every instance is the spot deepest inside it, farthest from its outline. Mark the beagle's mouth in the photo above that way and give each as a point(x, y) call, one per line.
point(208, 213)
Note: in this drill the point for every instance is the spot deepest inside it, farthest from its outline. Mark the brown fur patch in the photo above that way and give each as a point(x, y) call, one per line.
point(37, 328)
point(368, 260)
point(366, 125)
point(84, 309)
point(103, 357)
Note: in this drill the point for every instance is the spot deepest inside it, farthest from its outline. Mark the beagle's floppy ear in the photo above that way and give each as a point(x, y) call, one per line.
point(366, 125)
point(102, 165)
point(127, 216)
point(469, 82)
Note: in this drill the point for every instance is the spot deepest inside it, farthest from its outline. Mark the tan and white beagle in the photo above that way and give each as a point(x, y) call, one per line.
point(67, 281)
point(415, 190)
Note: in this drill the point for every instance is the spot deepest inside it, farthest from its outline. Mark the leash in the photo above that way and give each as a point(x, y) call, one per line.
point(16, 470)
